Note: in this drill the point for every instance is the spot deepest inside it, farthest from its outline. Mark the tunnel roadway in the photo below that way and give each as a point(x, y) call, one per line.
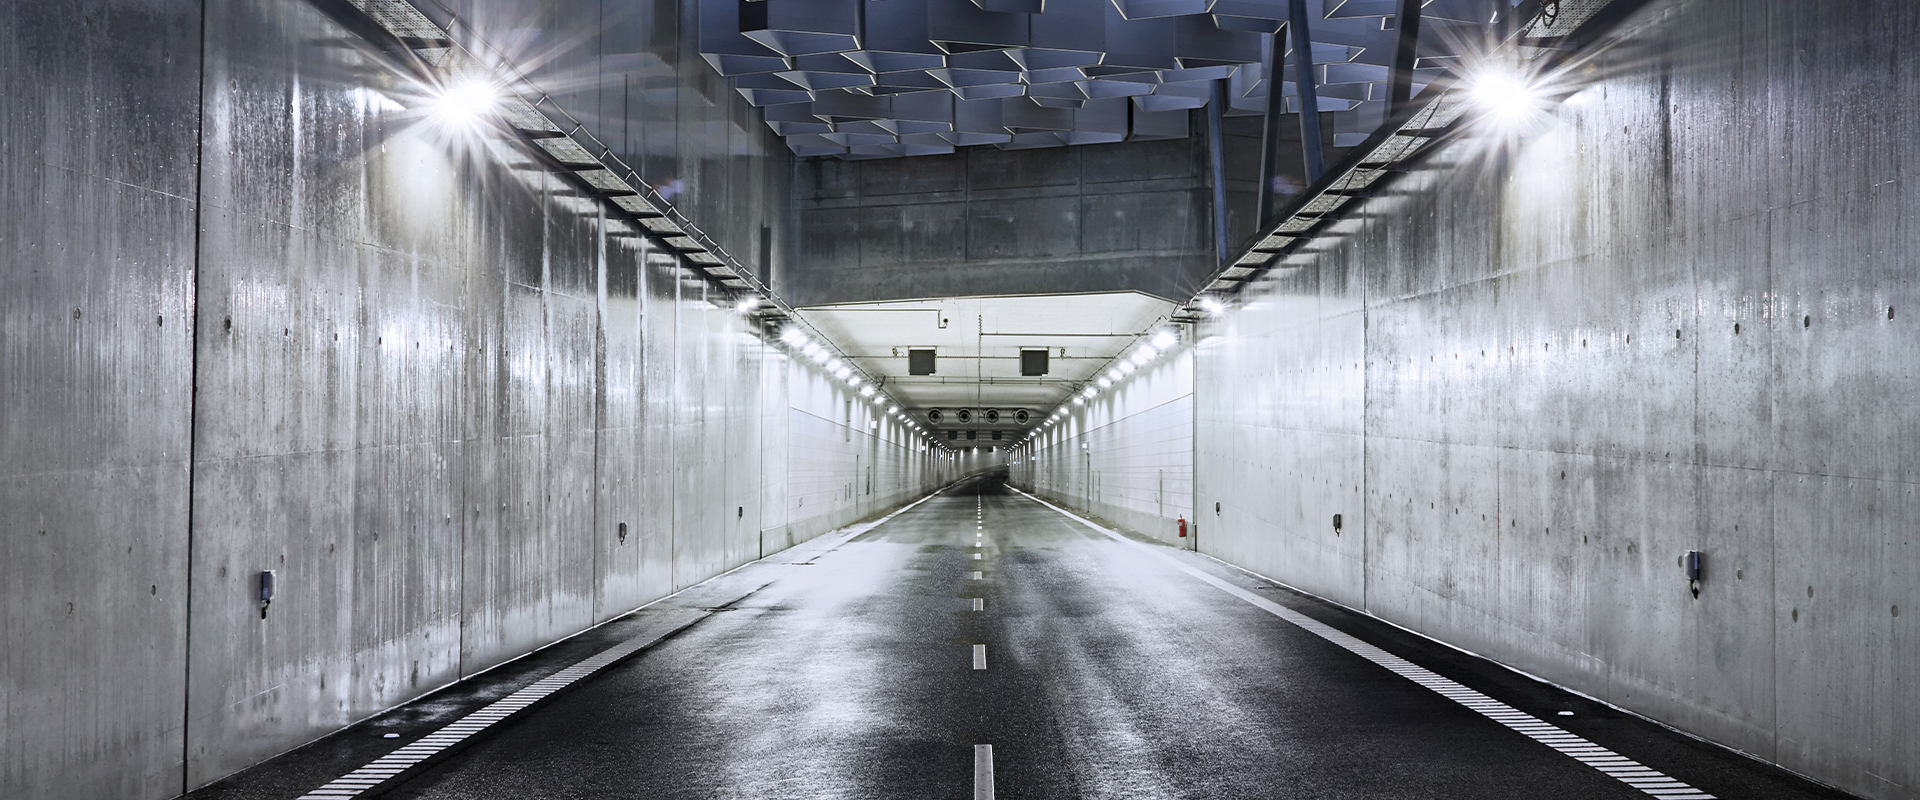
point(985, 644)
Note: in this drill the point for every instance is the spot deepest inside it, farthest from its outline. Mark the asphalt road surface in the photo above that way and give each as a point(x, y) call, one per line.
point(983, 644)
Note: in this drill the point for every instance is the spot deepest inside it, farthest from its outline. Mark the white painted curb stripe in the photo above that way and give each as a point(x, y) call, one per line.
point(1613, 764)
point(386, 767)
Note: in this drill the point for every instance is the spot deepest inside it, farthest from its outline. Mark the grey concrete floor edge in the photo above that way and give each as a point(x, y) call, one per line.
point(1497, 663)
point(306, 768)
point(1488, 675)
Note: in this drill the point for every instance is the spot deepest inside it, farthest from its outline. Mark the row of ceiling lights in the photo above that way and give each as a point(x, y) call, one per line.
point(1509, 96)
point(469, 103)
point(1507, 99)
point(821, 354)
point(1118, 370)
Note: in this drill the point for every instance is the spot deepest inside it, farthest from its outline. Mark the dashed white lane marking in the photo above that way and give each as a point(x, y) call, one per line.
point(979, 656)
point(1625, 769)
point(983, 772)
point(976, 556)
point(382, 769)
point(979, 604)
point(979, 544)
point(974, 576)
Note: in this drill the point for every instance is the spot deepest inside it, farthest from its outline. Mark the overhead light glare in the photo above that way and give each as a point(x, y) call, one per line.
point(746, 304)
point(1211, 305)
point(466, 101)
point(1128, 367)
point(1164, 340)
point(1106, 383)
point(1506, 96)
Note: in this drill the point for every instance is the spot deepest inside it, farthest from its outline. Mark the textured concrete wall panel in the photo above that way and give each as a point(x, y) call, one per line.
point(1670, 317)
point(1129, 216)
point(98, 129)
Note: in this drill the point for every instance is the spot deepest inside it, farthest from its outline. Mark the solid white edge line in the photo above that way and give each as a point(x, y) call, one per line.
point(1445, 687)
point(983, 772)
point(440, 739)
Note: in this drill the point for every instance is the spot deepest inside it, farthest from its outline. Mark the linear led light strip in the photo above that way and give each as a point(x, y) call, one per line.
point(1385, 151)
point(1628, 771)
point(616, 183)
point(1158, 341)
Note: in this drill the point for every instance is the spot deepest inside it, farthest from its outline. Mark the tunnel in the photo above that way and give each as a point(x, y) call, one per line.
point(1195, 399)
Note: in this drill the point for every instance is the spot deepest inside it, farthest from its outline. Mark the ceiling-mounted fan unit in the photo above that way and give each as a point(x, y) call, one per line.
point(963, 415)
point(993, 416)
point(934, 416)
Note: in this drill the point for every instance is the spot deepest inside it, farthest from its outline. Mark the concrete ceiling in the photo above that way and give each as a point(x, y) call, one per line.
point(978, 340)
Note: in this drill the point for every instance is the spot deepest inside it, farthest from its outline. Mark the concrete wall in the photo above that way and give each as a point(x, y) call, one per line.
point(98, 135)
point(1091, 218)
point(1518, 378)
point(1126, 456)
point(287, 324)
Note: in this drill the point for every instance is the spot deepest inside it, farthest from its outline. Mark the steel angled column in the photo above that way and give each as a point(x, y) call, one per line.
point(1302, 38)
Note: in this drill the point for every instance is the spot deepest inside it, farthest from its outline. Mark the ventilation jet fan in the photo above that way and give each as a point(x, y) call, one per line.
point(1021, 416)
point(993, 416)
point(934, 416)
point(964, 416)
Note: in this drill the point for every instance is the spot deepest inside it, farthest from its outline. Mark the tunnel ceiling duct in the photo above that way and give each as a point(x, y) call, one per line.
point(823, 70)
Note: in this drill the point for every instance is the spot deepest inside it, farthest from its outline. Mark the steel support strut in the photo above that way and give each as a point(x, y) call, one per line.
point(1217, 155)
point(1310, 150)
point(1270, 130)
point(1405, 55)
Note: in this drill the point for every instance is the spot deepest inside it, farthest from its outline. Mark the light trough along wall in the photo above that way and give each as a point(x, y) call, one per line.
point(1673, 316)
point(1126, 456)
point(428, 386)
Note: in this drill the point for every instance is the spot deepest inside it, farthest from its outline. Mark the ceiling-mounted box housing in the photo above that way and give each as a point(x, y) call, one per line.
point(1033, 362)
point(920, 362)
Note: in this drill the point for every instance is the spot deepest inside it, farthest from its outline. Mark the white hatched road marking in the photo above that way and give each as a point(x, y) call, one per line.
point(384, 768)
point(1625, 769)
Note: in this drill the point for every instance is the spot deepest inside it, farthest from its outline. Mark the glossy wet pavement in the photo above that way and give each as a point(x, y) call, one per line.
point(1112, 668)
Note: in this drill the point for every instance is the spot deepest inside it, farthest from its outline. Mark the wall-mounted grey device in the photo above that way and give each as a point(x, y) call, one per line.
point(267, 580)
point(1690, 565)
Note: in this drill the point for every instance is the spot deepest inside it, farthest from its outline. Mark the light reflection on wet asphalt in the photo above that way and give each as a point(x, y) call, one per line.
point(1106, 672)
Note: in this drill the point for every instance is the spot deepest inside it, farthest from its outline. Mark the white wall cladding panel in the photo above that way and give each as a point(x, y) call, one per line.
point(1519, 381)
